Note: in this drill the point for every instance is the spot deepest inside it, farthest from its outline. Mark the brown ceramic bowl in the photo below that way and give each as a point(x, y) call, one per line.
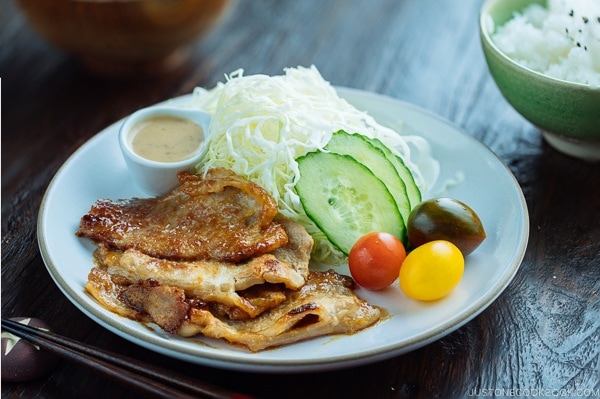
point(125, 36)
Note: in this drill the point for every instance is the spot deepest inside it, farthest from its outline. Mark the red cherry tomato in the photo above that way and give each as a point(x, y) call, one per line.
point(375, 260)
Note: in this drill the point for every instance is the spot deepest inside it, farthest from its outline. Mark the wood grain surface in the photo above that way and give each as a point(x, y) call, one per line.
point(541, 336)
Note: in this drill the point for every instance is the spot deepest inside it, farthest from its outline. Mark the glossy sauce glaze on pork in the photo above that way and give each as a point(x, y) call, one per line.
point(218, 281)
point(325, 305)
point(246, 279)
point(220, 216)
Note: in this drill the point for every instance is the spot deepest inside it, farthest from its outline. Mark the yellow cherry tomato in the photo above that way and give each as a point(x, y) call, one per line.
point(432, 270)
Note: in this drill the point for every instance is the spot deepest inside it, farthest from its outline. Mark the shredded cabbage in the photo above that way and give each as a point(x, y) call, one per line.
point(261, 124)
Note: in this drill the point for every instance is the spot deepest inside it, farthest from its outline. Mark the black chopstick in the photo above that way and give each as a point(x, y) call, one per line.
point(144, 377)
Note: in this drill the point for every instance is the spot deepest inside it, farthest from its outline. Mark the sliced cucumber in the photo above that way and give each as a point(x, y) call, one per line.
point(345, 199)
point(412, 190)
point(360, 148)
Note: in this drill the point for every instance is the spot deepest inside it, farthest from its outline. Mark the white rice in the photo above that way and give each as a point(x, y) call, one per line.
point(561, 40)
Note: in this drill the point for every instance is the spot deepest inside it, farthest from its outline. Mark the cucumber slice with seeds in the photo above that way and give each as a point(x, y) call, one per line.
point(345, 199)
point(364, 151)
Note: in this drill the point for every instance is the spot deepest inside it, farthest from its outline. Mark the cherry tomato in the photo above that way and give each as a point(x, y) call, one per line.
point(445, 219)
point(375, 260)
point(432, 270)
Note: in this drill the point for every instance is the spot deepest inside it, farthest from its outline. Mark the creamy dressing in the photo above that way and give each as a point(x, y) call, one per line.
point(166, 138)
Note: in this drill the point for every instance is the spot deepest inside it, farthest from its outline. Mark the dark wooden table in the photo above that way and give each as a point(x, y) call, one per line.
point(540, 336)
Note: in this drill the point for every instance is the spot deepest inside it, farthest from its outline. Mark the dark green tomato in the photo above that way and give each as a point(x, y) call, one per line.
point(445, 219)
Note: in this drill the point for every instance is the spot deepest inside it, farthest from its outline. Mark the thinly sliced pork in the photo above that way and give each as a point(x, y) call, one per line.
point(221, 216)
point(325, 305)
point(215, 281)
point(211, 258)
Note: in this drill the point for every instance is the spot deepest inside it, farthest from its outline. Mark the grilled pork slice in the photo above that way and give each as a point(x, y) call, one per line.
point(167, 306)
point(325, 305)
point(145, 301)
point(221, 216)
point(108, 290)
point(220, 282)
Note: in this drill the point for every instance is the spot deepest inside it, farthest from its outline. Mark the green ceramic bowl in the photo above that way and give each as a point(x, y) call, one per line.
point(567, 113)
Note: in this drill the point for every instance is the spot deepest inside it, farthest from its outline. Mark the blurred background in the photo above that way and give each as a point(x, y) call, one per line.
point(542, 331)
point(388, 48)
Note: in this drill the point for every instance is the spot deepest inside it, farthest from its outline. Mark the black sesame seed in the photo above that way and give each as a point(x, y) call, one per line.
point(585, 20)
point(578, 44)
point(571, 13)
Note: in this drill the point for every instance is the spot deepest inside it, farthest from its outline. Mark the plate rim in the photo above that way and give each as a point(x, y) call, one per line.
point(230, 360)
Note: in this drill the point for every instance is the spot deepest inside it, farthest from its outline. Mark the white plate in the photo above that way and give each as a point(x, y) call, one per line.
point(97, 170)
